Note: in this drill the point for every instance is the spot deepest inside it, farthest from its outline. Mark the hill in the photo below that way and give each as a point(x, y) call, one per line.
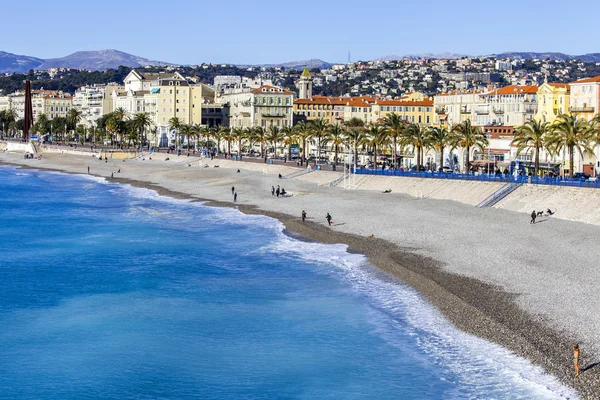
point(17, 63)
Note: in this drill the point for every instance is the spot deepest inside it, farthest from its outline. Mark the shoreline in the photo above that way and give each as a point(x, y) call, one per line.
point(471, 305)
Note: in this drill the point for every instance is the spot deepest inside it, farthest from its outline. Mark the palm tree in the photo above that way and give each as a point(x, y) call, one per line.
point(142, 121)
point(355, 135)
point(319, 130)
point(112, 126)
point(186, 130)
point(260, 135)
point(376, 138)
point(469, 136)
point(239, 134)
point(42, 125)
point(287, 134)
point(73, 118)
point(303, 133)
point(220, 133)
point(439, 138)
point(274, 136)
point(395, 127)
point(335, 137)
point(175, 124)
point(569, 132)
point(531, 135)
point(416, 135)
point(228, 137)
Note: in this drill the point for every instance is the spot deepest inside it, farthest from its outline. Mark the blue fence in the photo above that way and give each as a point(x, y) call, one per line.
point(592, 183)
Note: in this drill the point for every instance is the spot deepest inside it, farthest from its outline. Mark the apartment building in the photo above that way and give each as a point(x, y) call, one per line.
point(585, 97)
point(94, 101)
point(264, 106)
point(510, 105)
point(553, 99)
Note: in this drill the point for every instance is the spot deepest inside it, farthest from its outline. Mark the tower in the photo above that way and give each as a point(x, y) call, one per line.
point(304, 85)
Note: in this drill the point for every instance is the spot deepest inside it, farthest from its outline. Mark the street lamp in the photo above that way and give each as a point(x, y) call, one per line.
point(489, 137)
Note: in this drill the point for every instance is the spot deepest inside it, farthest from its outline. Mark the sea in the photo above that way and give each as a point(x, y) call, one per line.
point(108, 291)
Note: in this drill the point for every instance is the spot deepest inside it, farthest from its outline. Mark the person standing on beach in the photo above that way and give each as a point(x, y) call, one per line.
point(88, 169)
point(235, 197)
point(576, 356)
point(272, 190)
point(232, 190)
point(277, 191)
point(303, 215)
point(328, 218)
point(533, 214)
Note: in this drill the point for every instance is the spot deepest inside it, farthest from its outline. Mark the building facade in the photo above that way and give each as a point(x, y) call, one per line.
point(553, 99)
point(263, 107)
point(585, 97)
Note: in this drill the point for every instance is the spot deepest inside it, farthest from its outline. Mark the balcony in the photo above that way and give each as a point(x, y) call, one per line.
point(498, 110)
point(266, 115)
point(482, 111)
point(582, 109)
point(440, 110)
point(465, 110)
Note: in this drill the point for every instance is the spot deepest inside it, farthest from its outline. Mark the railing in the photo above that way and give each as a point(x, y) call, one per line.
point(499, 194)
point(500, 178)
point(581, 109)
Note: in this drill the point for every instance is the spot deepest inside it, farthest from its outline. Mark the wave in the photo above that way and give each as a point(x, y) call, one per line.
point(482, 367)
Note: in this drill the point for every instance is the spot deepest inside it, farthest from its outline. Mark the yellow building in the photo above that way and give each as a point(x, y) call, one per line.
point(414, 111)
point(553, 99)
point(334, 110)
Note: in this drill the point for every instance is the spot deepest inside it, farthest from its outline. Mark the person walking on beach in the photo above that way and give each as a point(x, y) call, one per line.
point(576, 356)
point(235, 197)
point(88, 169)
point(232, 190)
point(303, 215)
point(272, 190)
point(533, 215)
point(277, 191)
point(328, 218)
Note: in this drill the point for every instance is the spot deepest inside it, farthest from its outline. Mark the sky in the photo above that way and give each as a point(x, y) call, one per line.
point(266, 31)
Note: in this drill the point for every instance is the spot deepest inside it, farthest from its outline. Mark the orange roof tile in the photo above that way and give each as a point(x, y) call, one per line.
point(268, 90)
point(422, 103)
point(560, 85)
point(595, 79)
point(514, 89)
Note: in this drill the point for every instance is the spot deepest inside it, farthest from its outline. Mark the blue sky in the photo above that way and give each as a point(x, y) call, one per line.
point(266, 31)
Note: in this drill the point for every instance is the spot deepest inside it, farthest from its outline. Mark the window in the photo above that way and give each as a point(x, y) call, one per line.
point(428, 121)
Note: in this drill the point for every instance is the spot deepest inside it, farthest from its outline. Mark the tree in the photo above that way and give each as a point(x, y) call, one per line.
point(287, 135)
point(175, 124)
point(319, 130)
point(416, 135)
point(240, 135)
point(142, 121)
point(570, 133)
point(394, 127)
point(185, 131)
point(259, 135)
point(42, 125)
point(440, 138)
point(376, 138)
point(335, 137)
point(355, 135)
point(73, 118)
point(531, 135)
point(469, 136)
point(303, 131)
point(274, 136)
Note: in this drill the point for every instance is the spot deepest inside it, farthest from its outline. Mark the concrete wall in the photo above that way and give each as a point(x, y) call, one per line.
point(17, 147)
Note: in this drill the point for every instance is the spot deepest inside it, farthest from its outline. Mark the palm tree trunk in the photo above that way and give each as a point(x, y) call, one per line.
point(303, 150)
point(537, 161)
point(336, 154)
point(468, 162)
point(441, 166)
point(395, 157)
point(229, 147)
point(571, 160)
point(375, 161)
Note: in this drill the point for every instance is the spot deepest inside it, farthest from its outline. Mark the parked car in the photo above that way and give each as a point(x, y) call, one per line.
point(419, 168)
point(581, 176)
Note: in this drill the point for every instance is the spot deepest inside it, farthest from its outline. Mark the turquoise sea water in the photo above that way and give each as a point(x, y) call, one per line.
point(113, 292)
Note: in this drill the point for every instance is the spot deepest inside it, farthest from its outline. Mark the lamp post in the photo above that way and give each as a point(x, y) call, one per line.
point(489, 137)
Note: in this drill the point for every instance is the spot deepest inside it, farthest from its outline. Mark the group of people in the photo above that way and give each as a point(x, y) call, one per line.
point(535, 214)
point(278, 192)
point(327, 217)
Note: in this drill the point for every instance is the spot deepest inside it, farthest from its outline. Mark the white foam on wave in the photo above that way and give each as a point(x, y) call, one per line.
point(483, 368)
